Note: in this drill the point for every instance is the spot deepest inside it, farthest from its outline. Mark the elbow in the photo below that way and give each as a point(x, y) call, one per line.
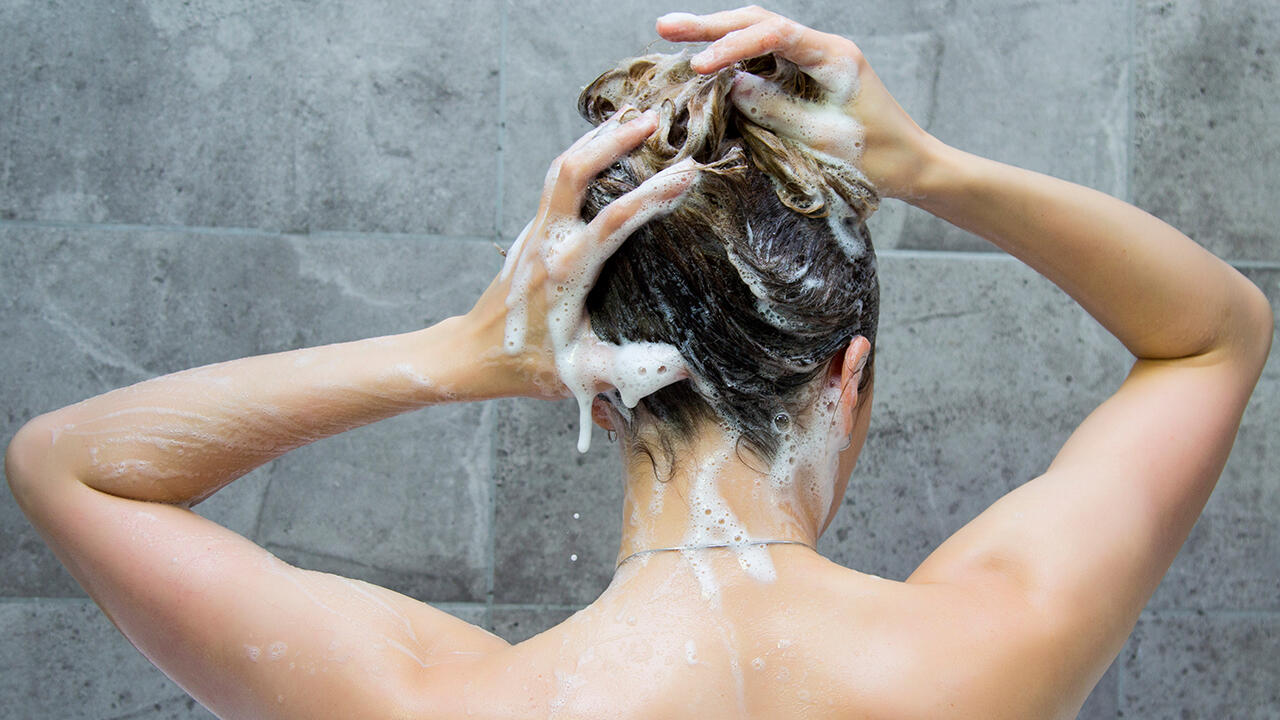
point(30, 457)
point(1260, 320)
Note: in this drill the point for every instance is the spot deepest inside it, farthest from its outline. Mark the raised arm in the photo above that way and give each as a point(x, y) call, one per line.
point(108, 481)
point(1118, 501)
point(1082, 547)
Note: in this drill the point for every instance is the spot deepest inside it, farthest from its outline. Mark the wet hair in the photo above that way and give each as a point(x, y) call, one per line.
point(760, 277)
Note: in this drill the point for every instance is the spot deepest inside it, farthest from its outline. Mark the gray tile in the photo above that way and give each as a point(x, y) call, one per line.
point(64, 659)
point(293, 116)
point(1206, 121)
point(519, 623)
point(1043, 86)
point(94, 310)
point(1232, 557)
point(1104, 702)
point(990, 346)
point(543, 553)
point(396, 117)
point(122, 113)
point(403, 503)
point(1195, 665)
point(863, 19)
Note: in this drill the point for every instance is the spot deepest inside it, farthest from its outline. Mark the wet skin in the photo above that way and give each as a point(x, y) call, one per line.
point(1004, 620)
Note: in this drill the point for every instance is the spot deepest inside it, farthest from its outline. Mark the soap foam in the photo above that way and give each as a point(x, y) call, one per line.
point(713, 522)
point(585, 364)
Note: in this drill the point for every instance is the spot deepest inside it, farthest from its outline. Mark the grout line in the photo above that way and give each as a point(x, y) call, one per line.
point(1000, 256)
point(1131, 133)
point(235, 231)
point(1120, 663)
point(1254, 264)
point(354, 235)
point(491, 550)
point(43, 600)
point(502, 120)
point(491, 569)
point(455, 605)
point(499, 185)
point(1205, 612)
point(908, 254)
point(538, 606)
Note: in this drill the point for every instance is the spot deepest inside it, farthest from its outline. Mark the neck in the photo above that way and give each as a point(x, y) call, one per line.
point(720, 494)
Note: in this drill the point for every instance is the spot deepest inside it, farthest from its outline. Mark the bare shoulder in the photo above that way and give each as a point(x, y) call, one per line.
point(908, 649)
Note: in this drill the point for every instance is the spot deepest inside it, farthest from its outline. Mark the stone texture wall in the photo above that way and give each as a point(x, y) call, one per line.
point(188, 182)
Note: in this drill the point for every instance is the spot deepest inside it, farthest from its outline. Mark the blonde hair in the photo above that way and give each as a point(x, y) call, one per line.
point(762, 274)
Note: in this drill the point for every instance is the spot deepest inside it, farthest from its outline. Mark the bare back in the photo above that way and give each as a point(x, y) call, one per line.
point(821, 641)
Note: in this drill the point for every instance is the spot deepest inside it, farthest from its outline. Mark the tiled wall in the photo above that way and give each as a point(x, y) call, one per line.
point(187, 182)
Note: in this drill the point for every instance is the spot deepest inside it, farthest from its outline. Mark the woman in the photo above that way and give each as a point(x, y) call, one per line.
point(1016, 615)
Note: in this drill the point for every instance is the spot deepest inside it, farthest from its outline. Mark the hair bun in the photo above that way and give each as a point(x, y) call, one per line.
point(696, 118)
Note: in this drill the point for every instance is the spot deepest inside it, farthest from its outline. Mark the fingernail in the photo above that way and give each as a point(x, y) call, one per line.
point(702, 58)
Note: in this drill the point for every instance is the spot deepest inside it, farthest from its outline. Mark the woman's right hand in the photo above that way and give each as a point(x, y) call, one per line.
point(530, 330)
point(857, 120)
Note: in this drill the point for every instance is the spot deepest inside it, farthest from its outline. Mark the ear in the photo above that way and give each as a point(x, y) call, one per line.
point(600, 414)
point(852, 362)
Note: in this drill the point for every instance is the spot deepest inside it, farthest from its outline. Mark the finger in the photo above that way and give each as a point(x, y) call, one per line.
point(580, 165)
point(768, 105)
point(686, 27)
point(515, 251)
point(553, 172)
point(786, 38)
point(816, 125)
point(613, 121)
point(655, 197)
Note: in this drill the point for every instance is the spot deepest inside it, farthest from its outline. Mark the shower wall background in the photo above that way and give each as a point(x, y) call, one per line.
point(187, 182)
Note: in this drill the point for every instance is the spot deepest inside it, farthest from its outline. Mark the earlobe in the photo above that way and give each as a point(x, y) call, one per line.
point(600, 414)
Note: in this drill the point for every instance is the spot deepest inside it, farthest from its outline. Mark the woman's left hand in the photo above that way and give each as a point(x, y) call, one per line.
point(530, 328)
point(857, 119)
